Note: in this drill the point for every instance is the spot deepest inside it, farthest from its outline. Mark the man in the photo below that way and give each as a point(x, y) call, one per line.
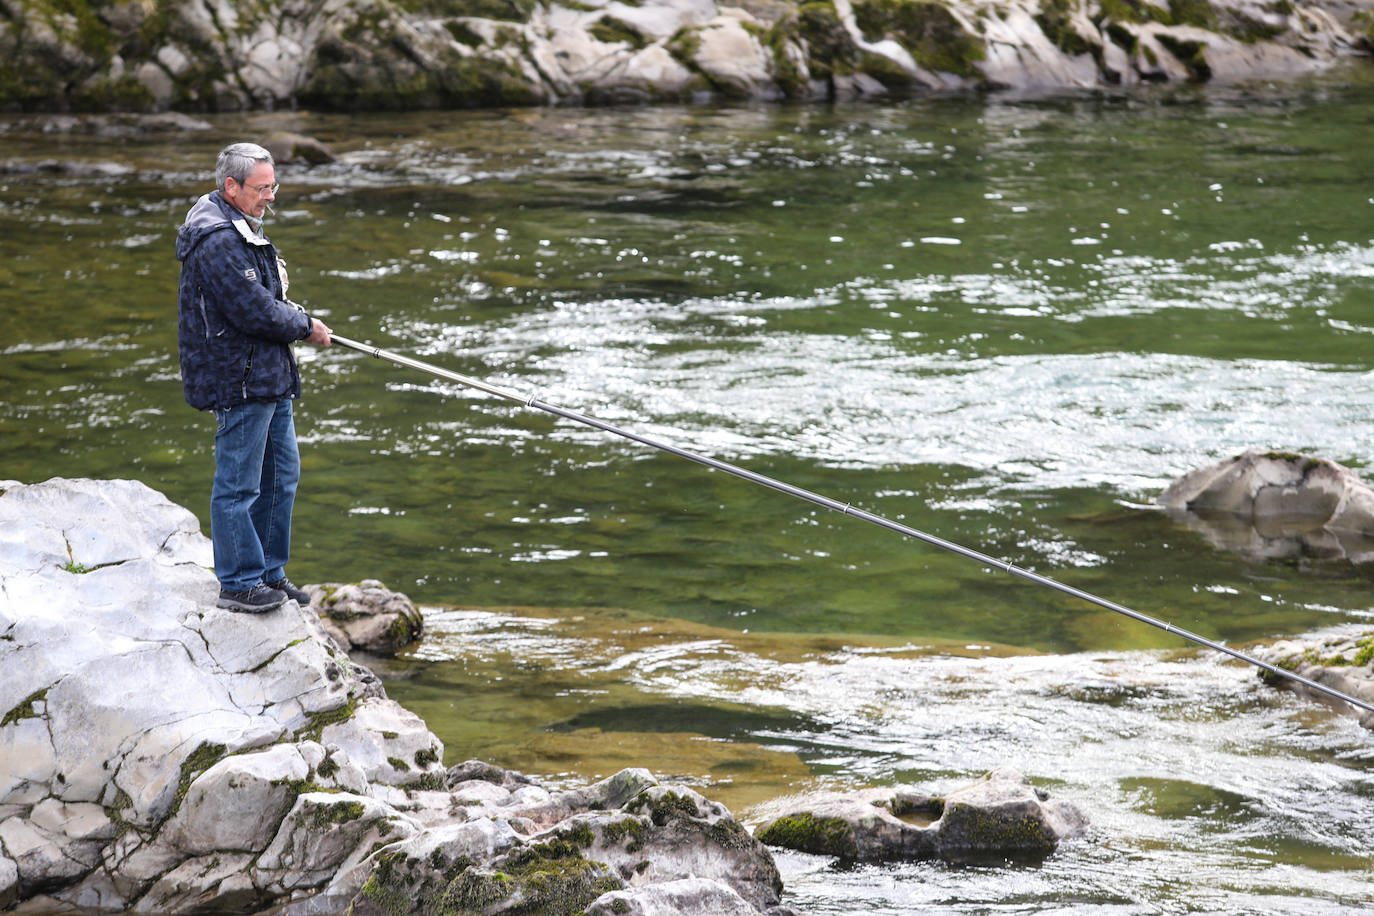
point(235, 331)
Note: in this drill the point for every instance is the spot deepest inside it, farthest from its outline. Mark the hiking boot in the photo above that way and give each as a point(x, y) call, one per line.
point(256, 600)
point(295, 594)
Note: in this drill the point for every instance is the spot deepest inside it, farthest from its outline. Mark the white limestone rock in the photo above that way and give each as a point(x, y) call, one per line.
point(237, 803)
point(732, 58)
point(148, 746)
point(389, 743)
point(327, 834)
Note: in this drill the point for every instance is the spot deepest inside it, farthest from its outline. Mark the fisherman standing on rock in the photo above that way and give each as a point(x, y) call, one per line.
point(235, 331)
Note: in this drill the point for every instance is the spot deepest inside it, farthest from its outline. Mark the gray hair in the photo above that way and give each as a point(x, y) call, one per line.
point(237, 161)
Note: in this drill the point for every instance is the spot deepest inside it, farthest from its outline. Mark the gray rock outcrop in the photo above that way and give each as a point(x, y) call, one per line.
point(1000, 817)
point(158, 754)
point(352, 54)
point(1275, 505)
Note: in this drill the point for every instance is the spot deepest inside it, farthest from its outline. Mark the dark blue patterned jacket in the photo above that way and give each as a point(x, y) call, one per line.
point(234, 326)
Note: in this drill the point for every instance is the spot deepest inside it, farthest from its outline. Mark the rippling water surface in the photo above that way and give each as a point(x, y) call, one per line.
point(1006, 322)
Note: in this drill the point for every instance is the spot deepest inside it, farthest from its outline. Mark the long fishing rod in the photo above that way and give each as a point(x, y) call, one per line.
point(843, 509)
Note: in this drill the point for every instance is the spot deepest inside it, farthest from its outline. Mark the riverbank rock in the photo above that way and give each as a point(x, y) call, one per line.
point(387, 54)
point(1343, 661)
point(159, 754)
point(366, 616)
point(1278, 505)
point(1001, 817)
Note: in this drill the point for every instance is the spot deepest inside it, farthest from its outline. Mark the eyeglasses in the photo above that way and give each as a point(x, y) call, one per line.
point(262, 189)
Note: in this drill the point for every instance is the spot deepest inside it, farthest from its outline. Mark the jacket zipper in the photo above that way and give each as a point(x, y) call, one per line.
point(247, 369)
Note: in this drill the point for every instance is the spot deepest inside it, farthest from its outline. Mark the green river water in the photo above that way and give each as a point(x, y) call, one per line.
point(1008, 322)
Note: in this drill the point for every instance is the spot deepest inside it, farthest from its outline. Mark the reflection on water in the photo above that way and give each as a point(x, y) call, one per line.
point(1007, 322)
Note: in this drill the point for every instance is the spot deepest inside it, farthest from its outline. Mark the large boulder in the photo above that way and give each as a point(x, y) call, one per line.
point(145, 733)
point(998, 818)
point(158, 754)
point(1277, 504)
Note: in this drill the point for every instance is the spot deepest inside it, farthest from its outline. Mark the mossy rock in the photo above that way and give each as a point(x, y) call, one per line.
point(1054, 19)
point(1191, 54)
point(781, 39)
point(804, 832)
point(1197, 13)
point(612, 31)
point(102, 94)
point(830, 49)
point(508, 10)
point(977, 836)
point(929, 31)
point(1137, 12)
point(550, 879)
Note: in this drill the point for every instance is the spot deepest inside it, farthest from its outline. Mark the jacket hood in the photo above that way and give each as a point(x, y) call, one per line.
point(211, 213)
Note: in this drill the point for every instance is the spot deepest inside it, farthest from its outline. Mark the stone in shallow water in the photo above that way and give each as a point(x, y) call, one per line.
point(1269, 505)
point(1000, 817)
point(367, 615)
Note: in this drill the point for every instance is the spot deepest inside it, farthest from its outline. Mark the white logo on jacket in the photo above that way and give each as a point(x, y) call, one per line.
point(251, 274)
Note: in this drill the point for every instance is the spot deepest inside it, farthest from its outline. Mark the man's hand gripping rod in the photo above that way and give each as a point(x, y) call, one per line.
point(844, 509)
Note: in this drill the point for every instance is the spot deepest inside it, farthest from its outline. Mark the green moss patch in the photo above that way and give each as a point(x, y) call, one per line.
point(667, 807)
point(322, 817)
point(1362, 656)
point(628, 830)
point(615, 31)
point(831, 50)
point(1054, 20)
point(928, 31)
point(1192, 54)
point(509, 10)
point(977, 837)
point(550, 878)
point(25, 709)
point(315, 727)
point(200, 760)
point(804, 832)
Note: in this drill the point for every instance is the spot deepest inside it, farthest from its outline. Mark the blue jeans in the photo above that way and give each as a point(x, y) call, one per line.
point(257, 468)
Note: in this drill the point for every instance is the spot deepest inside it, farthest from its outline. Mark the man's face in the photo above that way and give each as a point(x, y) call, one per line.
point(253, 196)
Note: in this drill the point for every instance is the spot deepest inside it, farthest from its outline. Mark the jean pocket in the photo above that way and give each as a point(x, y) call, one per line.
point(221, 419)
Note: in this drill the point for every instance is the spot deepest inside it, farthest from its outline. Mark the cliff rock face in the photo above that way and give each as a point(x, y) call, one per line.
point(358, 54)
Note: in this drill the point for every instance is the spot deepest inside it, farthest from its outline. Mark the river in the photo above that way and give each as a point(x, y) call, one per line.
point(1009, 322)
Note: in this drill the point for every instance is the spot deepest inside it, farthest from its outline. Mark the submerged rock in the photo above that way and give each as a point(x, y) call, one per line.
point(1001, 817)
point(159, 754)
point(287, 147)
point(1277, 504)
